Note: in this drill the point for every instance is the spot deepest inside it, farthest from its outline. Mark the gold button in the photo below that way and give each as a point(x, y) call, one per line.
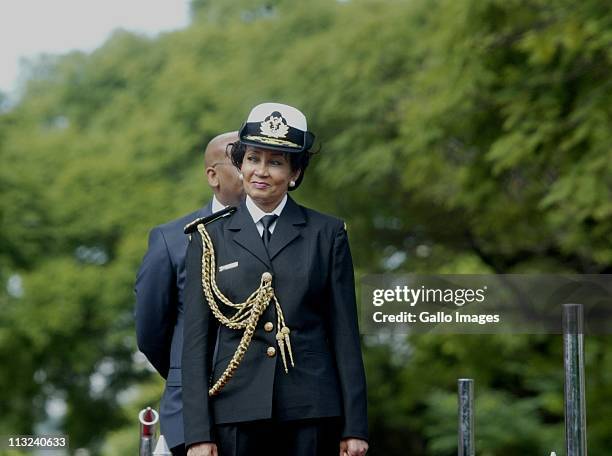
point(271, 352)
point(269, 326)
point(266, 276)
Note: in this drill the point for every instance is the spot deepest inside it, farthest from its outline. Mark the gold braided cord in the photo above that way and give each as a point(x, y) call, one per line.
point(247, 314)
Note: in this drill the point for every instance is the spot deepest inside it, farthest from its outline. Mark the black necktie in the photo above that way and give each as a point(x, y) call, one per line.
point(267, 221)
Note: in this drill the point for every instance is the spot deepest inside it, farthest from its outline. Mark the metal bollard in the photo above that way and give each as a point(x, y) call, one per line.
point(148, 419)
point(466, 417)
point(573, 360)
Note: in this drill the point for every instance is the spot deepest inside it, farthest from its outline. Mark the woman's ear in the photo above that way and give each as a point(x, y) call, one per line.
point(295, 177)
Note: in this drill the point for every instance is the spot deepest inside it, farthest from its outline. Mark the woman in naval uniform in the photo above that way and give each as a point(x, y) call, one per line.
point(271, 358)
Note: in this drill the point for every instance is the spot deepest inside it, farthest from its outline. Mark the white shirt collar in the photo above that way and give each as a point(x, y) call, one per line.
point(216, 205)
point(257, 213)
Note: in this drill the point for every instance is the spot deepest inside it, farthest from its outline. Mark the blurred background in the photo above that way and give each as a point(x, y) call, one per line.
point(457, 136)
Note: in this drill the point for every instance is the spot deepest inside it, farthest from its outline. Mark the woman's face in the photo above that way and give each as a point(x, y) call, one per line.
point(266, 174)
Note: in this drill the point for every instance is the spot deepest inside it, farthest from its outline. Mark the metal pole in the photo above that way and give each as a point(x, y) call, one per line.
point(148, 419)
point(466, 417)
point(573, 360)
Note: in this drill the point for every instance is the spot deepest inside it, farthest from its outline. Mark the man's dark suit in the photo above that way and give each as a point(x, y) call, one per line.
point(159, 315)
point(312, 269)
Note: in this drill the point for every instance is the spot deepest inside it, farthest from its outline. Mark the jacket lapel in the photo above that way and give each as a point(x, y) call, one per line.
point(247, 235)
point(286, 229)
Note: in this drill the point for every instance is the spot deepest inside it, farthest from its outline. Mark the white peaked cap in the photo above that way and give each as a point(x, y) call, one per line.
point(293, 116)
point(161, 449)
point(276, 126)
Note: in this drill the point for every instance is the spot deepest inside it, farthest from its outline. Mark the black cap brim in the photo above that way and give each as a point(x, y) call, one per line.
point(297, 141)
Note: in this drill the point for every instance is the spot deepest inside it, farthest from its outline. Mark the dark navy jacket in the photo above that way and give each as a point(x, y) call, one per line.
point(312, 270)
point(159, 315)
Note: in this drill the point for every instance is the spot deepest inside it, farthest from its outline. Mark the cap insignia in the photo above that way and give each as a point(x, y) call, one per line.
point(274, 126)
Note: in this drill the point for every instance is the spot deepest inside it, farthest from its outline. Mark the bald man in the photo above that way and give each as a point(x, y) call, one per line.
point(222, 175)
point(159, 288)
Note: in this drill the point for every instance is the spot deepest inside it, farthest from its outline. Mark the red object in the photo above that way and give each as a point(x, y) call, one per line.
point(148, 420)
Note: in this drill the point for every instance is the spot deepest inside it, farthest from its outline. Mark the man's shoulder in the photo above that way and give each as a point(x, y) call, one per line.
point(177, 226)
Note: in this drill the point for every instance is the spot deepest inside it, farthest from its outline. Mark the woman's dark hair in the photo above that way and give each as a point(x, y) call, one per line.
point(297, 160)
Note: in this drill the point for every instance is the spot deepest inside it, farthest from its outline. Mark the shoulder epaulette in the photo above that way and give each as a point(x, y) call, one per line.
point(192, 226)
